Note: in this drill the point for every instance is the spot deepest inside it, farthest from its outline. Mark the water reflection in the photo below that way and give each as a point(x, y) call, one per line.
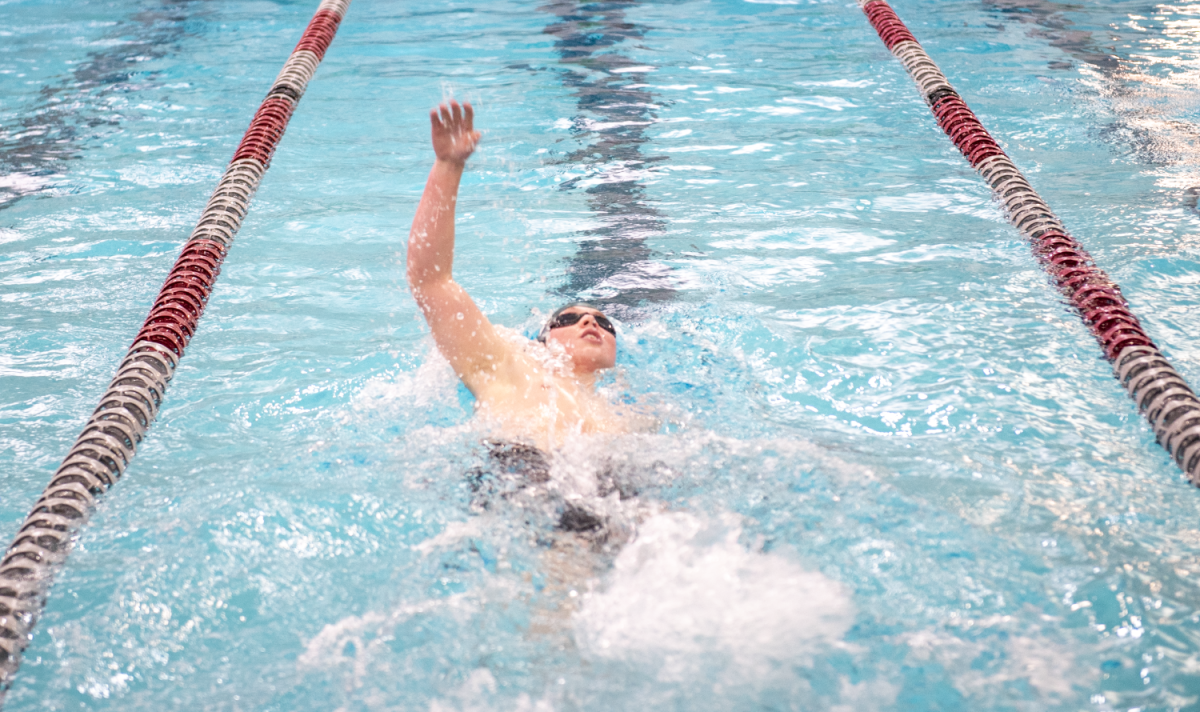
point(35, 150)
point(1052, 24)
point(613, 266)
point(1145, 67)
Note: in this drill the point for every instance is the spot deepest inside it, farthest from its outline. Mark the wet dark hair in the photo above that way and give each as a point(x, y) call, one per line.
point(545, 332)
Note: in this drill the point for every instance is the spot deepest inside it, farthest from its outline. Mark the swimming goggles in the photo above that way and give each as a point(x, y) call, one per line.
point(572, 318)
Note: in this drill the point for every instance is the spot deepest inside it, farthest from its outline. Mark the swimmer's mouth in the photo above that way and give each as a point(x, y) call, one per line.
point(592, 333)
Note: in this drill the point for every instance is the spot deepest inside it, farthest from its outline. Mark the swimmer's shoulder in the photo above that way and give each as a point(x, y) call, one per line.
point(513, 370)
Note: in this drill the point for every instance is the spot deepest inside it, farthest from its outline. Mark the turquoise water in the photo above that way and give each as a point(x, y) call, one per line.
point(894, 472)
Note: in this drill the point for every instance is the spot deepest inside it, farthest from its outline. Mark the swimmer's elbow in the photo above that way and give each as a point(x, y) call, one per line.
point(429, 285)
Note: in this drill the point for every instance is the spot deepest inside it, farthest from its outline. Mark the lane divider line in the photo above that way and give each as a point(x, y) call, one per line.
point(1163, 397)
point(130, 404)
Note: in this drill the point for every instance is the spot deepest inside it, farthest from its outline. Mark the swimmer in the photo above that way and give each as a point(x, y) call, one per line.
point(538, 392)
point(535, 396)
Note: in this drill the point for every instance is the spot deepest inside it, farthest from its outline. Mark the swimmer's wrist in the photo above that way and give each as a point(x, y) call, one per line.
point(451, 163)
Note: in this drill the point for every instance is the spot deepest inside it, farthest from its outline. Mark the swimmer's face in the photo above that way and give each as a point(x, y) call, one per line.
point(590, 347)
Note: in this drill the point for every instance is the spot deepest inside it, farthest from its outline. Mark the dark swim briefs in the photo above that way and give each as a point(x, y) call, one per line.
point(512, 467)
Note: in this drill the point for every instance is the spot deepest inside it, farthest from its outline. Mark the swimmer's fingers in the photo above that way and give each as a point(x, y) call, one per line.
point(462, 125)
point(454, 138)
point(448, 113)
point(442, 117)
point(469, 115)
point(457, 116)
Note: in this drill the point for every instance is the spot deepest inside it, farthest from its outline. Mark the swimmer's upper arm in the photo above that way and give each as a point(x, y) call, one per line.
point(463, 334)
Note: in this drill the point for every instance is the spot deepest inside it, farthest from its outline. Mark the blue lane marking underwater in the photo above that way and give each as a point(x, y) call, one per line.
point(894, 472)
point(41, 136)
point(613, 267)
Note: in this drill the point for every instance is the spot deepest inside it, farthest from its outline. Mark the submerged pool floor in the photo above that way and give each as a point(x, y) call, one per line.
point(895, 471)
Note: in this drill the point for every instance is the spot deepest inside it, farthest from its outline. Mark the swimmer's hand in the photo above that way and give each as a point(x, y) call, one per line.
point(454, 134)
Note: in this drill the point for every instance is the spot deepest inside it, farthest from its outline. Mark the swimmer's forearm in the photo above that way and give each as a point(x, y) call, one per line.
point(431, 241)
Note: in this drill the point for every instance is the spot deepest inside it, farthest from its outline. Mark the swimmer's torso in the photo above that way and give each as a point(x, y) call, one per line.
point(531, 400)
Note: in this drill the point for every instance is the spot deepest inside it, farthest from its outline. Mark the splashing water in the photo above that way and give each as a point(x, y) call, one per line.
point(893, 472)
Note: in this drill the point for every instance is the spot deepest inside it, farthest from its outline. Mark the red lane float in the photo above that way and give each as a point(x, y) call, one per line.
point(128, 407)
point(320, 32)
point(1168, 403)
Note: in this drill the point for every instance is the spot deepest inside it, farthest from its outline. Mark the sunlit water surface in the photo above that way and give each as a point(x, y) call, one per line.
point(894, 471)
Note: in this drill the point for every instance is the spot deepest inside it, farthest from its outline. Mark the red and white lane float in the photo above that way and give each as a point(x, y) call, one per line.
point(111, 436)
point(1167, 402)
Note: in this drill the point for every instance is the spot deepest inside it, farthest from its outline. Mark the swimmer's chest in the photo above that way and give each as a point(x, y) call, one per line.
point(546, 399)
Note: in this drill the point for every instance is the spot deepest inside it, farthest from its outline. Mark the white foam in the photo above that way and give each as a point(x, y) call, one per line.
point(432, 383)
point(454, 533)
point(1046, 665)
point(358, 644)
point(476, 693)
point(686, 594)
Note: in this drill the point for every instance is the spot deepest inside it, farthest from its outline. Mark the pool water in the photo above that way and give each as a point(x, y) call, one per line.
point(894, 471)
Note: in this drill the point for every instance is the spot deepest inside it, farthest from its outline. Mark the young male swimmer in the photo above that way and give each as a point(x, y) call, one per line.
point(527, 394)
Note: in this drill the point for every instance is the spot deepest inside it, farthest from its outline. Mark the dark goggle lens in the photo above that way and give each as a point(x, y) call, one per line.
point(572, 318)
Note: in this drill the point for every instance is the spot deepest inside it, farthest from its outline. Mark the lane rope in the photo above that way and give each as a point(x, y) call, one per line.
point(104, 449)
point(1163, 397)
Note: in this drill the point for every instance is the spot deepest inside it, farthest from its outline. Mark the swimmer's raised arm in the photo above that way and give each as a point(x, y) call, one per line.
point(462, 333)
